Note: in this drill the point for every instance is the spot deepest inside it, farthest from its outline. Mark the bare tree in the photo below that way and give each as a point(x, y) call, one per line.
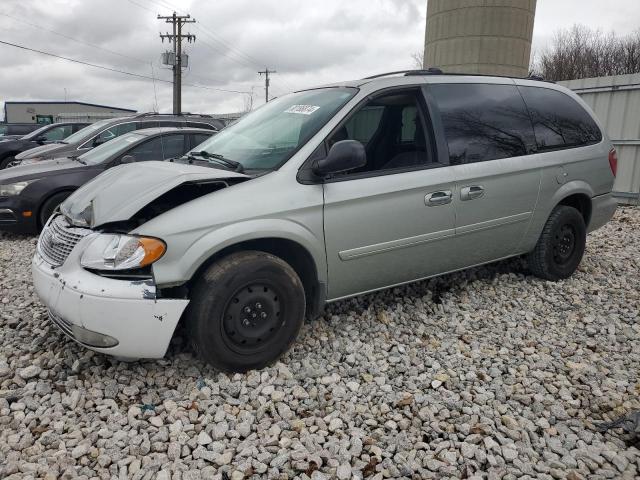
point(581, 52)
point(418, 60)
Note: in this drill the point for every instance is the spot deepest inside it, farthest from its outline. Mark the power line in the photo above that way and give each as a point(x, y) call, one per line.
point(102, 67)
point(92, 45)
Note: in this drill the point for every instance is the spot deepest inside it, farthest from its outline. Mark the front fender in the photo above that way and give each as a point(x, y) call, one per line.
point(176, 270)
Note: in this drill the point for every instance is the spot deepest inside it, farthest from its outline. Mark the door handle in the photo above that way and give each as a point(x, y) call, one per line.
point(438, 198)
point(471, 192)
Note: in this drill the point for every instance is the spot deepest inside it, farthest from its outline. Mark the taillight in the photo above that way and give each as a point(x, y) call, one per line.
point(613, 161)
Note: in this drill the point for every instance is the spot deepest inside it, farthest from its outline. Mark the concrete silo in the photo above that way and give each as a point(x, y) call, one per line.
point(480, 36)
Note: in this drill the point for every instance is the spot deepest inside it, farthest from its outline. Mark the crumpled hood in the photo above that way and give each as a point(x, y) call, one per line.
point(120, 192)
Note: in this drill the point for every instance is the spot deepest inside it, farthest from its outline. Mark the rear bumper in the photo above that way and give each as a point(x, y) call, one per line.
point(96, 311)
point(603, 207)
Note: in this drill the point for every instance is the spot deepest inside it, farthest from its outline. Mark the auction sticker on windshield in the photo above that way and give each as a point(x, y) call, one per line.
point(302, 109)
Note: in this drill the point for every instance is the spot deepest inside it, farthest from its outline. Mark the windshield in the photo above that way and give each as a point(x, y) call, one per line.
point(36, 133)
point(269, 136)
point(108, 150)
point(87, 132)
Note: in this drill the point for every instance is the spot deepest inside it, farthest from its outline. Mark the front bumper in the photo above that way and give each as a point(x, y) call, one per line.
point(12, 217)
point(94, 310)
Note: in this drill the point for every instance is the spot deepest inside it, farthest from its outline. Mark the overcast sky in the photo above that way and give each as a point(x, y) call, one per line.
point(309, 43)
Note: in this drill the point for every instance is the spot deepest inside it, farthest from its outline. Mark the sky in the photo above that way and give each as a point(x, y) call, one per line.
point(308, 43)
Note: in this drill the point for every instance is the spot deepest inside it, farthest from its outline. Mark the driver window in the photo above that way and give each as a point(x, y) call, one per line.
point(392, 130)
point(58, 133)
point(149, 150)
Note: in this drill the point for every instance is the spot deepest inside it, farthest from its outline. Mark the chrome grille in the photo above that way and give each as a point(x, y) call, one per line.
point(58, 239)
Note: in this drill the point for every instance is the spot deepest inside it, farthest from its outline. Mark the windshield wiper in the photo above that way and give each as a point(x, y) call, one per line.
point(221, 159)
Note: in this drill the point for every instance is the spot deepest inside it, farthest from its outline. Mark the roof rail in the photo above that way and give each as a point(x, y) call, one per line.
point(429, 71)
point(438, 71)
point(189, 114)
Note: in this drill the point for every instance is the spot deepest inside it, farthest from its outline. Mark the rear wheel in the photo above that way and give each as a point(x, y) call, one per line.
point(49, 206)
point(246, 310)
point(561, 245)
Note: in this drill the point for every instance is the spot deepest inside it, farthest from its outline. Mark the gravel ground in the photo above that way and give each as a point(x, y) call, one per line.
point(489, 373)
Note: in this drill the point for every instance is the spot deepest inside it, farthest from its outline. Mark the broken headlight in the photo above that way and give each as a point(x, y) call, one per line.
point(121, 252)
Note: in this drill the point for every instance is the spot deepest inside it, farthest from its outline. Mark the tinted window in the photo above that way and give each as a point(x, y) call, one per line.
point(558, 120)
point(149, 150)
point(364, 123)
point(198, 138)
point(392, 129)
point(116, 131)
point(143, 125)
point(58, 133)
point(483, 122)
point(172, 146)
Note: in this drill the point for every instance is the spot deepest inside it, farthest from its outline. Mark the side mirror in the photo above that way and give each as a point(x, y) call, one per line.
point(127, 159)
point(343, 156)
point(41, 139)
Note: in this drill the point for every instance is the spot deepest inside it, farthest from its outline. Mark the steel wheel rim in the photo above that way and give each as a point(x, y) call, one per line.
point(253, 317)
point(564, 244)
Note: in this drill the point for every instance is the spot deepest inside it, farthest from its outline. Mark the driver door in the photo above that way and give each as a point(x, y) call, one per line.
point(392, 221)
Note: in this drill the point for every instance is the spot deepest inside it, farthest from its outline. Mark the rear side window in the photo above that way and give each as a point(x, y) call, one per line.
point(558, 120)
point(483, 122)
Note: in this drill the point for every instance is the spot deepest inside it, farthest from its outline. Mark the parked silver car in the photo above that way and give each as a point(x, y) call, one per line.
point(320, 195)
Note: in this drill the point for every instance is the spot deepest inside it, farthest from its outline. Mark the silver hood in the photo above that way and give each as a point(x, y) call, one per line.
point(120, 192)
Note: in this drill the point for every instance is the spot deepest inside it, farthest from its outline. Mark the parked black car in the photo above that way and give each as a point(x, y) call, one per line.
point(105, 130)
point(30, 193)
point(45, 136)
point(17, 130)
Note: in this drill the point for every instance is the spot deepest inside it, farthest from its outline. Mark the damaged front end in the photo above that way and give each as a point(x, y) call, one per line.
point(96, 278)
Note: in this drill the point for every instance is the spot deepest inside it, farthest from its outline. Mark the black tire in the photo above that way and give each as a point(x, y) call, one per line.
point(49, 206)
point(6, 161)
point(561, 246)
point(245, 311)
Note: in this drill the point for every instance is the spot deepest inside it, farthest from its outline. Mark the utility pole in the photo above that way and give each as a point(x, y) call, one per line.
point(177, 21)
point(266, 82)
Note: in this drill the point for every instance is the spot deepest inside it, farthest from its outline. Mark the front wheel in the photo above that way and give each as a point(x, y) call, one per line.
point(50, 205)
point(245, 311)
point(561, 245)
point(4, 163)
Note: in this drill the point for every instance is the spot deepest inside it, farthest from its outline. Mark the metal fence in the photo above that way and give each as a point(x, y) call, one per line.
point(616, 102)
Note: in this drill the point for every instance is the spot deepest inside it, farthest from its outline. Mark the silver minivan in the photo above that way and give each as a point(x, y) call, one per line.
point(321, 195)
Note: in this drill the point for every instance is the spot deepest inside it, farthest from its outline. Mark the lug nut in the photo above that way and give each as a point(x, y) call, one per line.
point(247, 309)
point(246, 322)
point(259, 306)
point(263, 315)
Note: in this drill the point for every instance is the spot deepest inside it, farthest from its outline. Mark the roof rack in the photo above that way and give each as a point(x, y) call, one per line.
point(152, 114)
point(438, 71)
point(428, 71)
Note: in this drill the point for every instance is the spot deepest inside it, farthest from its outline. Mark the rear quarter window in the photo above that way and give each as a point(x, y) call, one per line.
point(558, 120)
point(483, 122)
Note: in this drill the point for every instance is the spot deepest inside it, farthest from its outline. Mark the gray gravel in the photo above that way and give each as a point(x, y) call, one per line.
point(489, 373)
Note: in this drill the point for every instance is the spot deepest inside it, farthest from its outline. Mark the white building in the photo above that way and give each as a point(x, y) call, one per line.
point(49, 112)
